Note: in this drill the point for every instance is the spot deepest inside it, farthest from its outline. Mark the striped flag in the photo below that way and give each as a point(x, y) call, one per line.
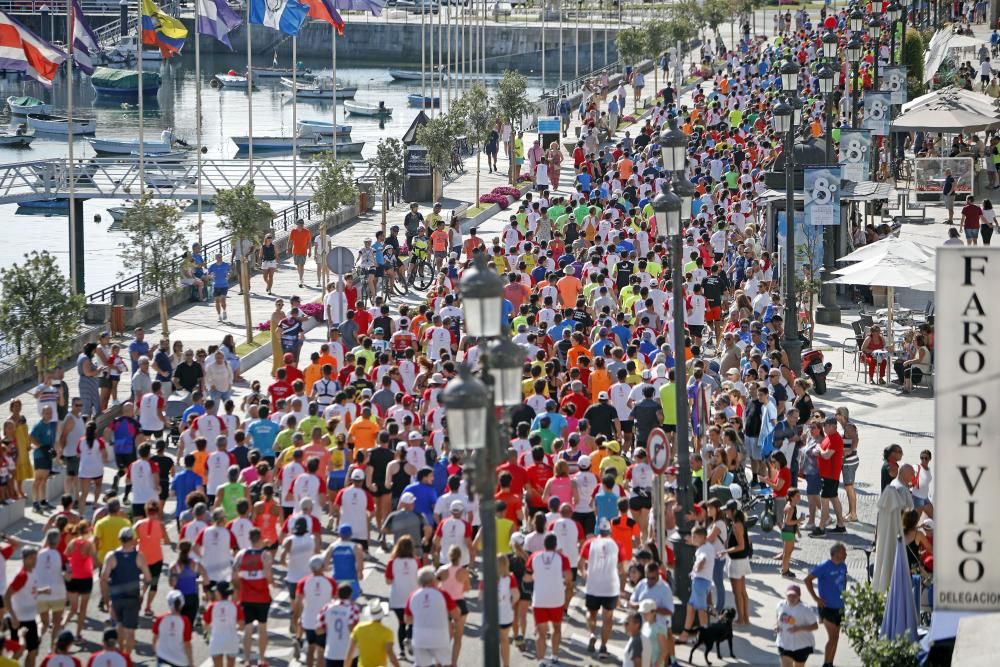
point(162, 30)
point(23, 51)
point(284, 15)
point(215, 18)
point(84, 41)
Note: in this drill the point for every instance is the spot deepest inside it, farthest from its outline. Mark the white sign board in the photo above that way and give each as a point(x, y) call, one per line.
point(967, 429)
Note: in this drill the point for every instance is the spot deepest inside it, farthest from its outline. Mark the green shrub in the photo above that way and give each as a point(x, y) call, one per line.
point(864, 608)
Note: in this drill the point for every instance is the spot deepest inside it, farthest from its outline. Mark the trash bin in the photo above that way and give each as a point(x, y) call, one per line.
point(117, 320)
point(362, 202)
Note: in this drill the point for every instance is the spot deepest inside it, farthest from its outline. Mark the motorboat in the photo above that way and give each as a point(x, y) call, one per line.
point(343, 148)
point(423, 101)
point(43, 207)
point(118, 84)
point(169, 177)
point(230, 80)
point(321, 89)
point(16, 138)
point(159, 158)
point(304, 145)
point(50, 124)
point(280, 72)
point(25, 104)
point(129, 146)
point(322, 127)
point(379, 110)
point(415, 75)
point(125, 50)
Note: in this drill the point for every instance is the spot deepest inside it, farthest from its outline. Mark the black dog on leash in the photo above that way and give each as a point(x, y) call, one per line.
point(714, 634)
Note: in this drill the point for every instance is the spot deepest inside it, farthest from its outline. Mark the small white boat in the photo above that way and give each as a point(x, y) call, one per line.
point(279, 72)
point(407, 75)
point(23, 105)
point(379, 110)
point(167, 177)
point(50, 124)
point(322, 89)
point(159, 158)
point(343, 148)
point(130, 146)
point(321, 127)
point(16, 139)
point(231, 81)
point(117, 213)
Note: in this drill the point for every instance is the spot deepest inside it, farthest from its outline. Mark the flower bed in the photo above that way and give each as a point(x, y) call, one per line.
point(311, 309)
point(503, 201)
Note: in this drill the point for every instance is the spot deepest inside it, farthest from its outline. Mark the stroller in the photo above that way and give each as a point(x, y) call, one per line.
point(176, 404)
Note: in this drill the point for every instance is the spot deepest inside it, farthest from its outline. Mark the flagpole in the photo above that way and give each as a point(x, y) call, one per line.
point(333, 41)
point(197, 110)
point(440, 68)
point(449, 55)
point(430, 30)
point(142, 124)
point(423, 54)
point(74, 270)
point(295, 119)
point(250, 99)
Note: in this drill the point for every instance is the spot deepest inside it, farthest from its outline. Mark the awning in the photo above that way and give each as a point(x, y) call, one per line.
point(851, 191)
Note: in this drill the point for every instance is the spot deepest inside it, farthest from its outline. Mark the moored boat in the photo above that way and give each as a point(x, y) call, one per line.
point(379, 110)
point(322, 127)
point(51, 124)
point(423, 101)
point(322, 89)
point(230, 80)
point(16, 138)
point(25, 104)
point(120, 84)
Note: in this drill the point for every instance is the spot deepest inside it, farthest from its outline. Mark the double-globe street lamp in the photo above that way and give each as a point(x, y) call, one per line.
point(669, 209)
point(471, 411)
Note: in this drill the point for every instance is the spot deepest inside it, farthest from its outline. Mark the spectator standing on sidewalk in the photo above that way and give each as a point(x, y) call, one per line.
point(830, 578)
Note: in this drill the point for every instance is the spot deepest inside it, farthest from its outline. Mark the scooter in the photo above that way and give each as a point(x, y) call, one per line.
point(814, 367)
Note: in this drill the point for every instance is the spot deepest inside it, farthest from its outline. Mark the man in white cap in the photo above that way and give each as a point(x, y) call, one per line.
point(586, 484)
point(353, 507)
point(406, 521)
point(311, 593)
point(416, 454)
point(454, 531)
point(600, 563)
point(371, 640)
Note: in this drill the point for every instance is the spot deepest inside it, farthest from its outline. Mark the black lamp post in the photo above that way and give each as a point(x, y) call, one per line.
point(874, 33)
point(670, 208)
point(825, 78)
point(896, 12)
point(784, 124)
point(471, 409)
point(854, 50)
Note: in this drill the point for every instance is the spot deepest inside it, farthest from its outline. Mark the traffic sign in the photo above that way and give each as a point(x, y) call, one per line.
point(658, 448)
point(340, 260)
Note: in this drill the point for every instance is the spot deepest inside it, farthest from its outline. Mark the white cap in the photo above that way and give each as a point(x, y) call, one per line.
point(583, 461)
point(457, 506)
point(647, 606)
point(407, 498)
point(604, 526)
point(517, 538)
point(377, 610)
point(415, 435)
point(357, 475)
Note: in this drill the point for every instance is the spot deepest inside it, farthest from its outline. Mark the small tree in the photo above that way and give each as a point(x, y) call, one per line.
point(913, 58)
point(245, 217)
point(631, 45)
point(333, 188)
point(864, 607)
point(153, 236)
point(511, 104)
point(473, 108)
point(657, 36)
point(438, 137)
point(38, 311)
point(388, 168)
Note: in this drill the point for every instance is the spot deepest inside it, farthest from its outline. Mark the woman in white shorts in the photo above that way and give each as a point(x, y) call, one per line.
point(225, 620)
point(739, 550)
point(268, 261)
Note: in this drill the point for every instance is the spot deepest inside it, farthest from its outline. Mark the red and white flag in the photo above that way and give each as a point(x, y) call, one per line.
point(23, 51)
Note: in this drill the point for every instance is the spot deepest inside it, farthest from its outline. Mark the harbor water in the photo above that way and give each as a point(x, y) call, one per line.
point(224, 114)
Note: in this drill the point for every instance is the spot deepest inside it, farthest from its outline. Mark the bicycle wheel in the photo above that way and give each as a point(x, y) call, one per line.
point(423, 275)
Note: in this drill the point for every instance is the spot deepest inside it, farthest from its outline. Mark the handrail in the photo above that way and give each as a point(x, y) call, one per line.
point(282, 222)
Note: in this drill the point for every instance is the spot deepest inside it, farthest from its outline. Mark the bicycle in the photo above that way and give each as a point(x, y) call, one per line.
point(395, 284)
point(420, 271)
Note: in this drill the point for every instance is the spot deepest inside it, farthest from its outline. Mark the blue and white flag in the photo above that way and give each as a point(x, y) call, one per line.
point(284, 15)
point(85, 45)
point(215, 18)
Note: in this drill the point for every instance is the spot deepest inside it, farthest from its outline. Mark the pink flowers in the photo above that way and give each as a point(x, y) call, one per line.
point(310, 309)
point(492, 198)
point(506, 190)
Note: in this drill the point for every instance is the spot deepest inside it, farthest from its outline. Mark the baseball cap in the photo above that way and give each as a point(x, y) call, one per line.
point(457, 506)
point(614, 446)
point(603, 396)
point(407, 499)
point(583, 461)
point(289, 357)
point(379, 330)
point(345, 530)
point(415, 435)
point(604, 526)
point(517, 538)
point(647, 606)
point(357, 475)
point(794, 588)
point(126, 534)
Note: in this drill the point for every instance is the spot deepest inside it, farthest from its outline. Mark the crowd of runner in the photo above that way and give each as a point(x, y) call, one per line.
point(296, 484)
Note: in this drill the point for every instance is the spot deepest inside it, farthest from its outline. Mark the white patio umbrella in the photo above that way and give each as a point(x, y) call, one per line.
point(891, 247)
point(888, 271)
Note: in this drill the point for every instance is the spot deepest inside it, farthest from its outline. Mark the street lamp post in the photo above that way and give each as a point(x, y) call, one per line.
point(471, 410)
point(786, 123)
point(874, 34)
point(670, 208)
point(853, 50)
point(828, 312)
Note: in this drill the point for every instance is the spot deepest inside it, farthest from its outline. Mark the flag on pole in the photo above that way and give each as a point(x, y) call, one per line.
point(284, 15)
point(162, 30)
point(23, 51)
point(215, 18)
point(84, 41)
point(373, 6)
point(324, 10)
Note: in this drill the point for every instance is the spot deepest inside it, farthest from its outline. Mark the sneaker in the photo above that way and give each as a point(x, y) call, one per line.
point(592, 644)
point(225, 316)
point(809, 527)
point(603, 653)
point(220, 318)
point(46, 504)
point(37, 507)
point(839, 529)
point(787, 574)
point(301, 286)
point(817, 532)
point(852, 517)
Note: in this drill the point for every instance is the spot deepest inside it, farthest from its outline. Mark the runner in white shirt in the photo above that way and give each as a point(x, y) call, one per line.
point(217, 467)
point(428, 610)
point(335, 621)
point(144, 476)
point(172, 634)
point(287, 475)
point(241, 526)
point(151, 411)
point(550, 572)
point(209, 426)
point(49, 569)
point(224, 618)
point(695, 316)
point(354, 506)
point(401, 573)
point(311, 594)
point(453, 531)
point(215, 546)
point(601, 565)
point(586, 482)
point(309, 485)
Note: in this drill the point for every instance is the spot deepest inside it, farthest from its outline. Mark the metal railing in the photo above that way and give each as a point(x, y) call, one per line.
point(59, 6)
point(281, 223)
point(106, 178)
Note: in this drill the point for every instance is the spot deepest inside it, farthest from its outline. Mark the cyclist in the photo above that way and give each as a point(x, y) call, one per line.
point(418, 252)
point(385, 261)
point(368, 266)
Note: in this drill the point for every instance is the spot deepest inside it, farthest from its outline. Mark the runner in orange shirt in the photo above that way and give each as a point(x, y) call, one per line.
point(569, 288)
point(301, 241)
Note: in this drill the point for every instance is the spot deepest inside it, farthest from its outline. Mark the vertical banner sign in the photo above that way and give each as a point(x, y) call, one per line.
point(893, 81)
point(855, 155)
point(822, 196)
point(877, 112)
point(967, 421)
